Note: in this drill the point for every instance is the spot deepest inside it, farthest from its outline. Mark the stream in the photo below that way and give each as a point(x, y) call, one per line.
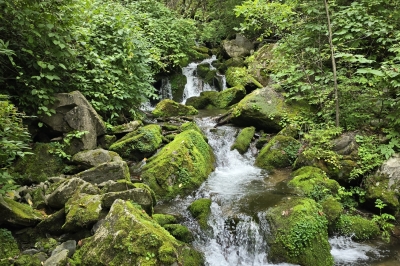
point(240, 194)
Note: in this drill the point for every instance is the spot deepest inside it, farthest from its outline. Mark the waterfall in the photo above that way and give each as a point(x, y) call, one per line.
point(195, 85)
point(165, 89)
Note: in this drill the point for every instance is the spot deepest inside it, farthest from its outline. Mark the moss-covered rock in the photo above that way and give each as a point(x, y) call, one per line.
point(140, 143)
point(168, 108)
point(280, 152)
point(203, 101)
point(231, 62)
point(127, 127)
point(206, 73)
point(265, 109)
point(17, 214)
point(259, 63)
point(238, 76)
point(8, 246)
point(299, 233)
point(180, 232)
point(140, 196)
point(243, 140)
point(106, 141)
point(104, 172)
point(46, 245)
point(332, 210)
point(82, 211)
point(129, 236)
point(229, 97)
point(40, 165)
point(52, 224)
point(92, 158)
point(181, 166)
point(358, 227)
point(313, 182)
point(200, 210)
point(27, 260)
point(178, 82)
point(163, 219)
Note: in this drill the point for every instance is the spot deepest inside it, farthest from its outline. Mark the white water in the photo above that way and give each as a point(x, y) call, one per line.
point(195, 85)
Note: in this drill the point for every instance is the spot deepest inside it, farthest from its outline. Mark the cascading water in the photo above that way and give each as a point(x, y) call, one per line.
point(195, 85)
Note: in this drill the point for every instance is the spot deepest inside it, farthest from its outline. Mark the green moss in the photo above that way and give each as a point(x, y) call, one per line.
point(169, 127)
point(180, 232)
point(238, 76)
point(178, 82)
point(280, 152)
point(40, 165)
point(377, 187)
point(27, 260)
point(180, 166)
point(358, 227)
point(140, 143)
point(144, 186)
point(19, 214)
point(168, 108)
point(8, 245)
point(230, 97)
point(191, 257)
point(200, 210)
point(132, 238)
point(299, 233)
point(163, 219)
point(243, 140)
point(46, 245)
point(314, 183)
point(199, 102)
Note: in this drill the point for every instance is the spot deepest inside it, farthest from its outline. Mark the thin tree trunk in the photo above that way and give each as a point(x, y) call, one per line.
point(333, 62)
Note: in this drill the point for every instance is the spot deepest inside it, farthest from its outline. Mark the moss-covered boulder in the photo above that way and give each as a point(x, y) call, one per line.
point(82, 211)
point(178, 82)
point(280, 152)
point(243, 140)
point(168, 108)
point(230, 97)
point(52, 224)
point(205, 100)
point(332, 210)
point(140, 196)
point(260, 62)
point(180, 167)
point(8, 247)
point(299, 233)
point(28, 260)
point(377, 187)
point(128, 236)
point(200, 210)
point(231, 62)
point(238, 76)
point(205, 72)
point(264, 108)
point(140, 143)
point(16, 214)
point(127, 127)
point(104, 172)
point(358, 227)
point(313, 182)
point(40, 165)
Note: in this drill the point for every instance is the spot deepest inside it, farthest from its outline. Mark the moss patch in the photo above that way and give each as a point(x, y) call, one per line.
point(200, 210)
point(299, 233)
point(280, 152)
point(163, 219)
point(243, 140)
point(168, 108)
point(181, 166)
point(180, 232)
point(8, 246)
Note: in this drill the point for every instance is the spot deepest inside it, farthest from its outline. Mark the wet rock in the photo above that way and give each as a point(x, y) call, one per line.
point(17, 214)
point(243, 140)
point(180, 232)
point(200, 210)
point(61, 192)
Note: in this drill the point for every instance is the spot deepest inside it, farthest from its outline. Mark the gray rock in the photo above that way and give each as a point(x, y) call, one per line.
point(16, 214)
point(106, 171)
point(69, 245)
point(391, 169)
point(112, 186)
point(345, 144)
point(59, 259)
point(67, 189)
point(138, 195)
point(30, 251)
point(127, 127)
point(238, 47)
point(92, 158)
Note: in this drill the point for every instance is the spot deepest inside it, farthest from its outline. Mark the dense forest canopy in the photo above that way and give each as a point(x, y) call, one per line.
point(112, 52)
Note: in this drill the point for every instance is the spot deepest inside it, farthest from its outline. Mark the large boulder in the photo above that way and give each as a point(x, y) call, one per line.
point(298, 233)
point(263, 108)
point(93, 158)
point(260, 62)
point(280, 152)
point(357, 227)
point(239, 47)
point(115, 170)
point(239, 76)
point(61, 192)
point(140, 143)
point(180, 166)
point(129, 236)
point(74, 113)
point(168, 108)
point(214, 99)
point(178, 82)
point(16, 214)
